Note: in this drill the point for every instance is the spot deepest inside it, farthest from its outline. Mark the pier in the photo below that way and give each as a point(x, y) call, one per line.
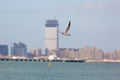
point(39, 60)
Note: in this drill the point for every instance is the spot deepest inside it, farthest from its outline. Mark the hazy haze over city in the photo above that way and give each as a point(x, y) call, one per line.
point(94, 22)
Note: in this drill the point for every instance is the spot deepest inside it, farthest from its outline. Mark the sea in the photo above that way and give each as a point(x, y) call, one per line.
point(25, 70)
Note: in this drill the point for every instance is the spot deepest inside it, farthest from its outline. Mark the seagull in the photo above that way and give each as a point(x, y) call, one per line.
point(67, 29)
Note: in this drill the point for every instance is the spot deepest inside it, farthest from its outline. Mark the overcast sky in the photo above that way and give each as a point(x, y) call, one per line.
point(94, 22)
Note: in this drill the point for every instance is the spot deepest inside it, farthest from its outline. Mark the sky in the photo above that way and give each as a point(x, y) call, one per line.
point(93, 22)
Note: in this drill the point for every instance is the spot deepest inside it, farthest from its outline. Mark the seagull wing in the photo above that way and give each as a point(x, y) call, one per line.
point(68, 27)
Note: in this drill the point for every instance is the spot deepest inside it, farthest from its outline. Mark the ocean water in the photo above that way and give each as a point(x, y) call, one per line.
point(21, 70)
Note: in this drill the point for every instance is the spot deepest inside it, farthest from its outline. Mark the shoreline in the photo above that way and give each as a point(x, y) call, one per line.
point(104, 61)
point(46, 60)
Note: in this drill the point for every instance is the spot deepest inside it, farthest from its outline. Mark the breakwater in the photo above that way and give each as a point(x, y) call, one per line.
point(40, 60)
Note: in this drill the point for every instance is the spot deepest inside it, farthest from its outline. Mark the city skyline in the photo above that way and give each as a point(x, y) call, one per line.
point(19, 51)
point(93, 22)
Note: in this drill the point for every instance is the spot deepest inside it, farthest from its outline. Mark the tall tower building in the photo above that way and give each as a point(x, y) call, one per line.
point(51, 35)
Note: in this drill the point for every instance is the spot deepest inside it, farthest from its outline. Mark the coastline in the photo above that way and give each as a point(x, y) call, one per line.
point(104, 61)
point(47, 60)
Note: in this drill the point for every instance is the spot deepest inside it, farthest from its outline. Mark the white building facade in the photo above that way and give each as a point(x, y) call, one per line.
point(51, 35)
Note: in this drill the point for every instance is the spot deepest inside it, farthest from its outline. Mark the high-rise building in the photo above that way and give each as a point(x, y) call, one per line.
point(19, 49)
point(36, 52)
point(4, 50)
point(51, 35)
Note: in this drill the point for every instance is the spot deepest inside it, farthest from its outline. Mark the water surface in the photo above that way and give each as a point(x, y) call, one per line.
point(21, 70)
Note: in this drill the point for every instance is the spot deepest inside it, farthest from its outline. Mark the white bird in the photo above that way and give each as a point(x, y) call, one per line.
point(67, 29)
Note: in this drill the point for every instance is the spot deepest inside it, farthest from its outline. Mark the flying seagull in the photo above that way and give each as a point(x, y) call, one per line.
point(67, 29)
